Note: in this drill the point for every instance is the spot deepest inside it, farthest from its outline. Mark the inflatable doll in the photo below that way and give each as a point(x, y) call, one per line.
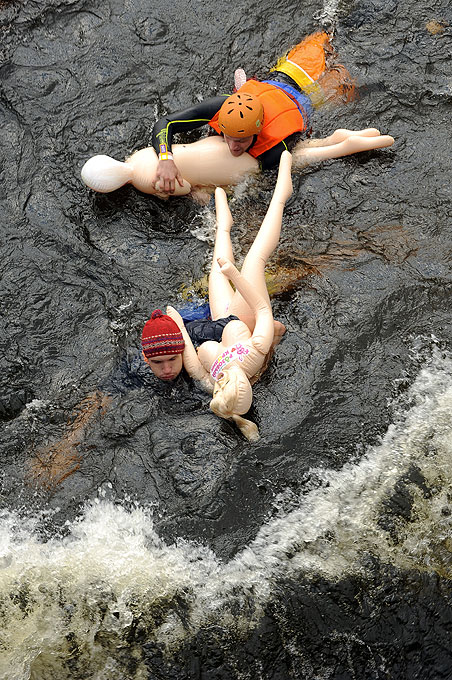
point(254, 126)
point(208, 162)
point(229, 365)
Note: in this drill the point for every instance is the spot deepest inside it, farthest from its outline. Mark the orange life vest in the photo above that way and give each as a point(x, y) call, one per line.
point(282, 116)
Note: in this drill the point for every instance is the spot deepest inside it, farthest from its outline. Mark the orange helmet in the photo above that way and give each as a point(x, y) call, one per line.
point(241, 115)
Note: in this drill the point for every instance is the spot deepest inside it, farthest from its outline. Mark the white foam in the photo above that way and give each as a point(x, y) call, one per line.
point(113, 567)
point(329, 12)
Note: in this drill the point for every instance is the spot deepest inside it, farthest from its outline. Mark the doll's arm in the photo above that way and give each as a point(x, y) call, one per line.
point(263, 333)
point(192, 364)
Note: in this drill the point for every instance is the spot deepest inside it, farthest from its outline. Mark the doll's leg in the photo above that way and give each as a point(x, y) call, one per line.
point(305, 155)
point(266, 240)
point(220, 289)
point(338, 136)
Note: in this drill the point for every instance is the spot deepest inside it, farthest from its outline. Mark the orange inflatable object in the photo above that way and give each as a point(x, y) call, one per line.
point(307, 64)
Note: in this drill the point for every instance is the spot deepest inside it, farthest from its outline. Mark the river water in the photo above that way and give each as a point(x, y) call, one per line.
point(141, 537)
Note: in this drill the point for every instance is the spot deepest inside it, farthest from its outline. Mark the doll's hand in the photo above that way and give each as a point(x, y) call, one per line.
point(226, 267)
point(175, 316)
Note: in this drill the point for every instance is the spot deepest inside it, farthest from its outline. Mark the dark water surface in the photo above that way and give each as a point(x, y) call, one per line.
point(140, 536)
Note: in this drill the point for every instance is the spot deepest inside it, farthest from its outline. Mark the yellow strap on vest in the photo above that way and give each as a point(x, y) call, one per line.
point(291, 69)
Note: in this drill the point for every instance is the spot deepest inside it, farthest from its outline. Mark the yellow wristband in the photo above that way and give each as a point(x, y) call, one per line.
point(164, 154)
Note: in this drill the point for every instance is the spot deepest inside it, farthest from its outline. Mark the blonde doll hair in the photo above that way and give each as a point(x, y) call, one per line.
point(233, 398)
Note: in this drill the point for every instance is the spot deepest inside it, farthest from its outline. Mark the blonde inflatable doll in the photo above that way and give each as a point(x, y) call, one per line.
point(227, 367)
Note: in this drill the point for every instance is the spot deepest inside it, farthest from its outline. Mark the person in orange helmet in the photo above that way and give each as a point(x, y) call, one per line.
point(249, 130)
point(263, 118)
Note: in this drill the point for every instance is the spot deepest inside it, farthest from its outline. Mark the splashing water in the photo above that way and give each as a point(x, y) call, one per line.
point(329, 13)
point(112, 570)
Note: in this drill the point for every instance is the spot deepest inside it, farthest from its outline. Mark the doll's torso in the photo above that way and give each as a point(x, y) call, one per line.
point(237, 345)
point(207, 162)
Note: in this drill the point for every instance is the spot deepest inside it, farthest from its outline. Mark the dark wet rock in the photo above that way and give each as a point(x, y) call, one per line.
point(365, 295)
point(12, 404)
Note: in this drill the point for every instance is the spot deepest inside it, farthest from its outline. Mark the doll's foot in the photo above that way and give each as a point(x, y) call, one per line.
point(239, 78)
point(367, 132)
point(283, 188)
point(279, 328)
point(355, 144)
point(224, 217)
point(341, 134)
point(226, 266)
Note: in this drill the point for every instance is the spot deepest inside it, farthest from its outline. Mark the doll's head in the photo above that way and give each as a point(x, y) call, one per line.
point(232, 397)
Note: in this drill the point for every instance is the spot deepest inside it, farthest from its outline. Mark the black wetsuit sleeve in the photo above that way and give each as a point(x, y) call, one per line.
point(270, 159)
point(183, 121)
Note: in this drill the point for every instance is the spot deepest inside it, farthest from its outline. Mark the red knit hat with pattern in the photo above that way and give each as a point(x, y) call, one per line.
point(161, 335)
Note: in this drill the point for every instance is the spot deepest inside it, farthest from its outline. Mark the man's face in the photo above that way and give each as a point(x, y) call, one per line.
point(166, 367)
point(238, 145)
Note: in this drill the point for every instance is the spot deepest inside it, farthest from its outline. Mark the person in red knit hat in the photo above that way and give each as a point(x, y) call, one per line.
point(162, 346)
